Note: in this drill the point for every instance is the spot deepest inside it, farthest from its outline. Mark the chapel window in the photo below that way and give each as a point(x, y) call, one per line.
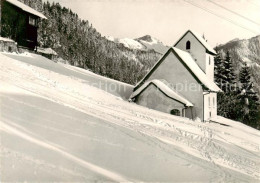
point(176, 112)
point(188, 45)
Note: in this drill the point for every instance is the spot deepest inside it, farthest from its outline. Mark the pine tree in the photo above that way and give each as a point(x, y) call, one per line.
point(245, 78)
point(228, 75)
point(249, 99)
point(228, 102)
point(218, 70)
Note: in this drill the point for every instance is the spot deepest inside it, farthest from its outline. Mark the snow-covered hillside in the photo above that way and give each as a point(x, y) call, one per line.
point(59, 123)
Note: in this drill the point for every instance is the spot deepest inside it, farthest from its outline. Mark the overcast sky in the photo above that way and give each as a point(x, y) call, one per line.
point(167, 20)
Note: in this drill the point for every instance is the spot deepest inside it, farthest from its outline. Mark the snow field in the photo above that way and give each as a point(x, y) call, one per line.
point(74, 129)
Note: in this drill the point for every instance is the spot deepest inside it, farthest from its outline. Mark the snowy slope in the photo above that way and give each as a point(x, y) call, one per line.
point(57, 126)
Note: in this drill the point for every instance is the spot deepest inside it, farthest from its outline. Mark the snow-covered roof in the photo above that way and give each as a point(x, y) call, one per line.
point(165, 88)
point(6, 39)
point(200, 39)
point(189, 61)
point(26, 8)
point(192, 65)
point(48, 51)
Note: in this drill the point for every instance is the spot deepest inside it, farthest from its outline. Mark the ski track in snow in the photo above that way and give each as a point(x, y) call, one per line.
point(200, 140)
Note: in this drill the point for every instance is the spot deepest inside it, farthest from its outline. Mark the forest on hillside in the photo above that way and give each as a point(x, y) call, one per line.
point(78, 42)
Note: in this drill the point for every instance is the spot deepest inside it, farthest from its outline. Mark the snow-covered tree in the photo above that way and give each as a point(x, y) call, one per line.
point(228, 75)
point(248, 98)
point(228, 102)
point(218, 70)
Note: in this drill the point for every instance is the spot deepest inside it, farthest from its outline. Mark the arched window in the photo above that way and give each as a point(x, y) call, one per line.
point(176, 112)
point(188, 45)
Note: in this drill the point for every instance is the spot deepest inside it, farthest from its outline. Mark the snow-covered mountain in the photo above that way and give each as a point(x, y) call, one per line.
point(60, 123)
point(127, 42)
point(152, 43)
point(245, 51)
point(143, 43)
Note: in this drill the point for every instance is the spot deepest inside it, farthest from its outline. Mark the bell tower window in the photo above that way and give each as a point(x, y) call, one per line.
point(188, 45)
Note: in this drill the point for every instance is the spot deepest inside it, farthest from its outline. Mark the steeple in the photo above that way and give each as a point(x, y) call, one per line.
point(200, 51)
